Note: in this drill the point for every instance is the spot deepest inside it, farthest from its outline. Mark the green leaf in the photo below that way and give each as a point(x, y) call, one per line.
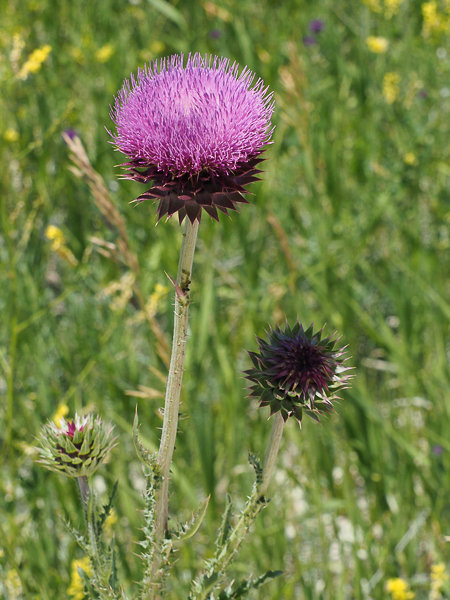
point(108, 507)
point(170, 12)
point(247, 585)
point(256, 464)
point(191, 527)
point(144, 455)
point(77, 536)
point(225, 528)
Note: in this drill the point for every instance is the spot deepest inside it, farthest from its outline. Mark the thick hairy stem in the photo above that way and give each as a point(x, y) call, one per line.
point(175, 377)
point(84, 490)
point(272, 451)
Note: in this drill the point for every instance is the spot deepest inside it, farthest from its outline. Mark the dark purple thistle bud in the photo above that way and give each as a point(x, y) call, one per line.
point(195, 133)
point(316, 25)
point(296, 372)
point(75, 447)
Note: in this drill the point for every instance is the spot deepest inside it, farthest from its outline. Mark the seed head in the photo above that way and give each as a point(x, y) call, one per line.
point(75, 447)
point(196, 132)
point(297, 371)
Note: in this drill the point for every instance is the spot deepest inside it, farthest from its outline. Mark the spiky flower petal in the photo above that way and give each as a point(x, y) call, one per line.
point(297, 371)
point(196, 132)
point(75, 447)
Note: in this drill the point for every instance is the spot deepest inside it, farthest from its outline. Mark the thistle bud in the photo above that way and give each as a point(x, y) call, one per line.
point(75, 447)
point(296, 372)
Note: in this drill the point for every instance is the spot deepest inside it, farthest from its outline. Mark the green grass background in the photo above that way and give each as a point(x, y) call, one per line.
point(342, 230)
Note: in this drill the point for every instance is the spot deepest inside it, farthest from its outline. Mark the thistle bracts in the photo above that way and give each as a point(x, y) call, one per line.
point(76, 447)
point(296, 372)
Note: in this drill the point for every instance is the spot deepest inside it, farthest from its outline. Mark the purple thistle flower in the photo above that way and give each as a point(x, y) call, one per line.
point(297, 371)
point(309, 40)
point(196, 132)
point(316, 25)
point(215, 34)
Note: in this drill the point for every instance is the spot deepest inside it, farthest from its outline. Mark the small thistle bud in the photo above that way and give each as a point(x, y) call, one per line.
point(297, 371)
point(75, 447)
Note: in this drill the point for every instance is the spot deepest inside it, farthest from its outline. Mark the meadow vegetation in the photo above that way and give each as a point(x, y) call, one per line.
point(349, 227)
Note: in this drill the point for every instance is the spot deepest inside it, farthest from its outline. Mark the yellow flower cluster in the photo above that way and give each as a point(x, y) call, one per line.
point(399, 589)
point(438, 578)
point(11, 135)
point(76, 588)
point(13, 585)
point(104, 53)
point(61, 411)
point(389, 8)
point(58, 244)
point(34, 62)
point(378, 45)
point(391, 87)
point(410, 159)
point(435, 21)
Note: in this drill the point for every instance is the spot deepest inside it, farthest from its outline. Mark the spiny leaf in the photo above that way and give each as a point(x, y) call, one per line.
point(225, 527)
point(247, 585)
point(256, 464)
point(77, 536)
point(108, 507)
point(144, 455)
point(191, 527)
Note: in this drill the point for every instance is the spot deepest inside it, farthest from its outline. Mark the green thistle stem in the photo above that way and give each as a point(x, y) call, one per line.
point(253, 507)
point(272, 451)
point(83, 486)
point(175, 377)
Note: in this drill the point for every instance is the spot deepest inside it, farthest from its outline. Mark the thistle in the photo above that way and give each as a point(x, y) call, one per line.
point(196, 132)
point(75, 447)
point(297, 371)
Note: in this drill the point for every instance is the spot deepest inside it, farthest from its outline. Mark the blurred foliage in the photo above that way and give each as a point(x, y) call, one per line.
point(349, 227)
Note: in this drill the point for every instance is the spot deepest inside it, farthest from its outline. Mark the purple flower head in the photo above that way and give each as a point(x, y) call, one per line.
point(316, 25)
point(215, 34)
point(438, 450)
point(196, 132)
point(71, 133)
point(309, 40)
point(296, 372)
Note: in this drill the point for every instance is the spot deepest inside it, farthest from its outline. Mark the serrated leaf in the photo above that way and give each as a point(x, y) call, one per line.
point(225, 527)
point(144, 455)
point(247, 585)
point(77, 536)
point(256, 464)
point(113, 581)
point(108, 507)
point(192, 526)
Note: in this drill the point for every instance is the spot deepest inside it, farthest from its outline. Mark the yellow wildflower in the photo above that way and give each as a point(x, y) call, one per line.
point(212, 10)
point(157, 46)
point(438, 577)
point(378, 45)
point(151, 306)
point(17, 47)
point(76, 588)
point(391, 88)
point(410, 158)
point(391, 7)
point(399, 589)
point(78, 55)
point(111, 519)
point(435, 21)
point(13, 585)
point(56, 236)
point(104, 53)
point(11, 135)
point(373, 5)
point(61, 411)
point(34, 62)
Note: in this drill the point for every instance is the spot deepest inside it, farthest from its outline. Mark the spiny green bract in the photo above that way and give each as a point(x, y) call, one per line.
point(76, 447)
point(297, 371)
